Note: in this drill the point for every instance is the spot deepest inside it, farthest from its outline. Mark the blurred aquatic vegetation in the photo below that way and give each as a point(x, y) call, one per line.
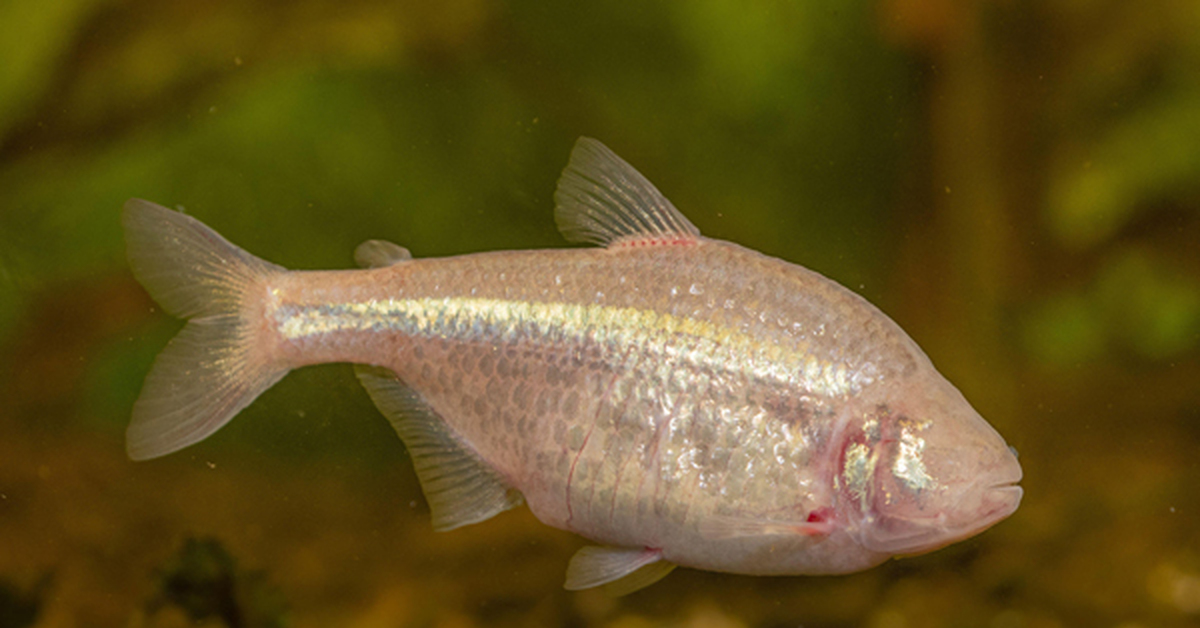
point(1067, 145)
point(34, 38)
point(1127, 117)
point(1125, 178)
point(1015, 182)
point(1124, 186)
point(1136, 304)
point(204, 582)
point(21, 607)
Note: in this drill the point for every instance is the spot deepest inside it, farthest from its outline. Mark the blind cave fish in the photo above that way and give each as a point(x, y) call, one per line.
point(675, 399)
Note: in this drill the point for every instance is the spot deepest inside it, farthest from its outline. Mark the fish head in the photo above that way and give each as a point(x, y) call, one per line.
point(924, 470)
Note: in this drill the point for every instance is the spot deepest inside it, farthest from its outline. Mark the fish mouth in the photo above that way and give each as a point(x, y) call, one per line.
point(1001, 499)
point(995, 503)
point(985, 508)
point(1003, 493)
point(1006, 494)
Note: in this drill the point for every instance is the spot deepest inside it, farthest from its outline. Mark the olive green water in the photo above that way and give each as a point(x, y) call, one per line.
point(1016, 183)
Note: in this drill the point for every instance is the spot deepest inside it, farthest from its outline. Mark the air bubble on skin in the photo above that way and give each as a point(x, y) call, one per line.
point(674, 291)
point(696, 289)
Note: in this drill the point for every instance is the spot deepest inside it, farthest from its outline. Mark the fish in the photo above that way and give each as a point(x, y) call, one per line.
point(674, 399)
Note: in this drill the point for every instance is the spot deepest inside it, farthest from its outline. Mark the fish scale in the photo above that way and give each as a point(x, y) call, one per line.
point(677, 399)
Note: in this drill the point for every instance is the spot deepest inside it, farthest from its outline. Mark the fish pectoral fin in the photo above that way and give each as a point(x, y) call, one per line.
point(380, 253)
point(460, 487)
point(620, 570)
point(718, 527)
point(603, 200)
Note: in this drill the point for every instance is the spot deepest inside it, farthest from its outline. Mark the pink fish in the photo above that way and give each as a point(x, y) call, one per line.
point(676, 399)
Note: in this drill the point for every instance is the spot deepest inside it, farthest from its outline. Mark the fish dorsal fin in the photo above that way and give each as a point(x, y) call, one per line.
point(460, 488)
point(620, 570)
point(380, 253)
point(603, 200)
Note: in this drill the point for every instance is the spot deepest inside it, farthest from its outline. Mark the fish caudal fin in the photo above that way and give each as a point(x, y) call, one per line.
point(216, 365)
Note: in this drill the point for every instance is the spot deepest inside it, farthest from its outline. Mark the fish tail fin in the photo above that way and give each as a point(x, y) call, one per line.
point(219, 362)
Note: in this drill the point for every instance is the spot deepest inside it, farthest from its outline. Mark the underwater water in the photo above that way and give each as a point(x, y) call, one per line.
point(1016, 185)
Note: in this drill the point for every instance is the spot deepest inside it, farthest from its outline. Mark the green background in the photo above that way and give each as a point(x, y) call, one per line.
point(1017, 183)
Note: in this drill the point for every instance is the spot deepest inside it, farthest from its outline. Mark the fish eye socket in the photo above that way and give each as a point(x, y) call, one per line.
point(904, 487)
point(908, 457)
point(897, 492)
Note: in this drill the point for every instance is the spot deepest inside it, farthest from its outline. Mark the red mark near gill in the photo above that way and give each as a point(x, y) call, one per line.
point(823, 514)
point(819, 522)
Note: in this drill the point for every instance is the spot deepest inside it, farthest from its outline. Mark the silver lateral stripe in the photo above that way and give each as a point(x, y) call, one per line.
point(675, 338)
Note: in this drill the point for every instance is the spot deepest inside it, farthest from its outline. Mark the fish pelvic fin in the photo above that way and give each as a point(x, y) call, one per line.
point(603, 200)
point(618, 570)
point(460, 486)
point(217, 363)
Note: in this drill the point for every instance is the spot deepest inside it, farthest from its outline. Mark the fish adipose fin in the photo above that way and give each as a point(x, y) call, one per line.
point(620, 570)
point(603, 200)
point(460, 488)
point(215, 366)
point(380, 253)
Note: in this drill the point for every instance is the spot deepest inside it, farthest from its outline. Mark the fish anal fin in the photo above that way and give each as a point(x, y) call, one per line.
point(380, 253)
point(603, 200)
point(460, 487)
point(619, 570)
point(718, 527)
